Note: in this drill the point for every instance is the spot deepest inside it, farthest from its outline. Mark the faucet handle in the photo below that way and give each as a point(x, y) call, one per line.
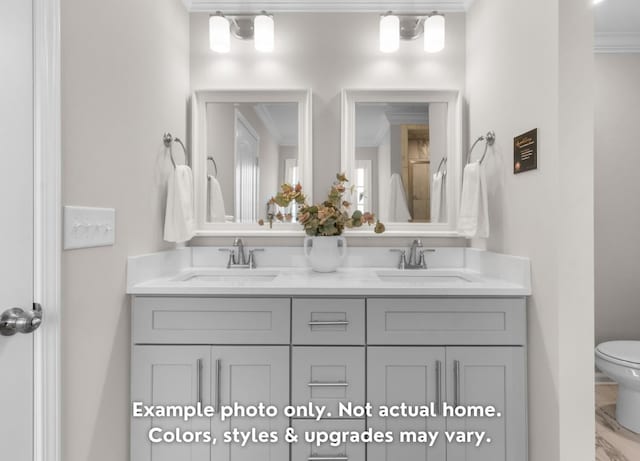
point(232, 256)
point(252, 262)
point(423, 260)
point(403, 258)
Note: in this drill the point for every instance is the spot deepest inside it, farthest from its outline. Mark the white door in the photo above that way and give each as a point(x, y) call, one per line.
point(247, 147)
point(16, 225)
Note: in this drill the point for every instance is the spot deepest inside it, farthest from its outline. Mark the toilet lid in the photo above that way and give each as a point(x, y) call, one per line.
point(629, 351)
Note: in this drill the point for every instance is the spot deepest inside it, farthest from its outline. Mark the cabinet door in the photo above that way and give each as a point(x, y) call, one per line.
point(489, 376)
point(250, 376)
point(169, 375)
point(411, 375)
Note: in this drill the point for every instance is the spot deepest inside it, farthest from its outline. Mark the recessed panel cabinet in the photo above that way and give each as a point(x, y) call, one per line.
point(386, 351)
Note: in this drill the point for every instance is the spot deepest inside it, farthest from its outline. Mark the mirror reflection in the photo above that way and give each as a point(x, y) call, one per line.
point(251, 149)
point(399, 169)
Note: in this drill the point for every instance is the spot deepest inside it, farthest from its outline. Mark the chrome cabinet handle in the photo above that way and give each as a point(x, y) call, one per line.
point(439, 384)
point(340, 384)
point(216, 400)
point(456, 383)
point(328, 322)
point(328, 458)
point(199, 380)
point(16, 320)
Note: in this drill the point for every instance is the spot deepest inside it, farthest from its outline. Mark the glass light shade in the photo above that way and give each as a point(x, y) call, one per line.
point(219, 34)
point(434, 31)
point(389, 33)
point(264, 34)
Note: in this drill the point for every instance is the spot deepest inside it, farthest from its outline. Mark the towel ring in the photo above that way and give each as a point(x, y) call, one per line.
point(210, 158)
point(168, 139)
point(490, 139)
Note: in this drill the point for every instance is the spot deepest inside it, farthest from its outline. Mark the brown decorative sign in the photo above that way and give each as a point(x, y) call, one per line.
point(525, 152)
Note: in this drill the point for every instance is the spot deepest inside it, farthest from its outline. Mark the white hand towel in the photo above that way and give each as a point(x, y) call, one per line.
point(398, 210)
point(216, 201)
point(438, 197)
point(179, 225)
point(473, 221)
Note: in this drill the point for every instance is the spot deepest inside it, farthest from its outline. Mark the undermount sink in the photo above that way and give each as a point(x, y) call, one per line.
point(228, 275)
point(421, 276)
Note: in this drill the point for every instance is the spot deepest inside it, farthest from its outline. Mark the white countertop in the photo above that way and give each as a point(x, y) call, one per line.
point(455, 272)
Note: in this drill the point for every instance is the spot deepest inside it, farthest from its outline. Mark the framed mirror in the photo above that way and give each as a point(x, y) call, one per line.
point(245, 144)
point(401, 149)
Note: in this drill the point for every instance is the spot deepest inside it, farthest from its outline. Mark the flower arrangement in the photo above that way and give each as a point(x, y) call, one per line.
point(328, 218)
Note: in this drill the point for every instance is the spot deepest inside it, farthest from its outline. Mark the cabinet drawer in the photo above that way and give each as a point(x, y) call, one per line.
point(165, 320)
point(451, 321)
point(328, 321)
point(327, 375)
point(304, 451)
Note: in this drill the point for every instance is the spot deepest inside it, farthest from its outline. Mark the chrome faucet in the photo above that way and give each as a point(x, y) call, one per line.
point(237, 256)
point(416, 258)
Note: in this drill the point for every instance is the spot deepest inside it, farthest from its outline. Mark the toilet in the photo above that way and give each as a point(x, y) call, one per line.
point(620, 361)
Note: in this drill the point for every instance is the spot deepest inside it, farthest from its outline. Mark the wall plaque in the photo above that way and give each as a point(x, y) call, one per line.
point(525, 152)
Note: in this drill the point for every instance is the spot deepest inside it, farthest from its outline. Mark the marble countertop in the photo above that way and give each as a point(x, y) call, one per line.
point(461, 272)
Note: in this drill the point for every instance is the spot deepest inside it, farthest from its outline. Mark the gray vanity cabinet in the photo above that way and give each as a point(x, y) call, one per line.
point(413, 375)
point(169, 375)
point(382, 350)
point(250, 375)
point(491, 376)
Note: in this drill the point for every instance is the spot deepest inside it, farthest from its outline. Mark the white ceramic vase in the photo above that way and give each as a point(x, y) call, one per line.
point(325, 254)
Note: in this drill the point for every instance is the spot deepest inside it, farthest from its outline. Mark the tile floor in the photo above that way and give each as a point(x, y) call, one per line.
point(613, 442)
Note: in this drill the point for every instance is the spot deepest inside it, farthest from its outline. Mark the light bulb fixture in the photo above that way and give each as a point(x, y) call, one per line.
point(434, 33)
point(394, 27)
point(264, 35)
point(219, 33)
point(389, 33)
point(256, 27)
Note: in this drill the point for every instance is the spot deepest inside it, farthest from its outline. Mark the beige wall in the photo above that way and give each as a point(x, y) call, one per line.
point(327, 52)
point(125, 80)
point(617, 189)
point(547, 214)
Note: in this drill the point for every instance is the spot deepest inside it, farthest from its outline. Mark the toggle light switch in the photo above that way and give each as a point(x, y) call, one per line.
point(86, 227)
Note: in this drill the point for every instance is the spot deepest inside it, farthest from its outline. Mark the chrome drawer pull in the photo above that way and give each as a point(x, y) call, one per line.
point(456, 383)
point(439, 385)
point(342, 384)
point(328, 458)
point(216, 399)
point(329, 322)
point(199, 380)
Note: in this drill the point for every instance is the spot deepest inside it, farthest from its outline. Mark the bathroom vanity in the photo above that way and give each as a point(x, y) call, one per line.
point(281, 335)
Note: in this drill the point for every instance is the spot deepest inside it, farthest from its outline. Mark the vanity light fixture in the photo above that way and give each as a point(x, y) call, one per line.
point(396, 27)
point(434, 32)
point(389, 33)
point(264, 32)
point(259, 28)
point(219, 33)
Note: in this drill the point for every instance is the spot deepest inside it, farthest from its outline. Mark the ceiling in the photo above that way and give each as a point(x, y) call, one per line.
point(281, 119)
point(374, 119)
point(374, 6)
point(617, 25)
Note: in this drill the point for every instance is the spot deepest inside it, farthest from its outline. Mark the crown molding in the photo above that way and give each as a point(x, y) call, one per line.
point(613, 42)
point(318, 6)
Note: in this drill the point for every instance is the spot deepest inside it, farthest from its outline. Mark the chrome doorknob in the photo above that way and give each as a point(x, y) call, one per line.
point(16, 320)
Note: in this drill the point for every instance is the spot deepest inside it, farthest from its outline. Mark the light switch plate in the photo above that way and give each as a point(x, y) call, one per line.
point(86, 227)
